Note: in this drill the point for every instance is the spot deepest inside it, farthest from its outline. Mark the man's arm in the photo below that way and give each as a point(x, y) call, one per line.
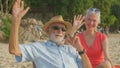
point(18, 13)
point(75, 42)
point(85, 61)
point(13, 41)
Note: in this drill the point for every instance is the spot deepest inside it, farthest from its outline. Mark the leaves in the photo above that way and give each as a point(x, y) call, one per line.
point(68, 8)
point(7, 22)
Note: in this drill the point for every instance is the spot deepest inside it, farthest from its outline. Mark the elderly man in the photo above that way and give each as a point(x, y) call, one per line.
point(52, 53)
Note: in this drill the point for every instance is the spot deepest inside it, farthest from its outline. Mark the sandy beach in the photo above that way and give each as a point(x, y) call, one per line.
point(8, 61)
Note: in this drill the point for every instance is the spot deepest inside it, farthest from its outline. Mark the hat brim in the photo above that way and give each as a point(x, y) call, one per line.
point(68, 25)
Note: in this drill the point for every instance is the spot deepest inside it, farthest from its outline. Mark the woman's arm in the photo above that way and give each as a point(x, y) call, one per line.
point(106, 52)
point(18, 13)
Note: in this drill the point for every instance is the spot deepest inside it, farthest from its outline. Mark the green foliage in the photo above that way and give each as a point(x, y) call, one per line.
point(66, 8)
point(7, 22)
point(105, 6)
point(80, 6)
point(110, 14)
point(6, 5)
point(111, 20)
point(115, 10)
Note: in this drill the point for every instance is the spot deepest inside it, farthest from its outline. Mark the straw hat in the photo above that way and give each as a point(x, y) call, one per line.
point(57, 19)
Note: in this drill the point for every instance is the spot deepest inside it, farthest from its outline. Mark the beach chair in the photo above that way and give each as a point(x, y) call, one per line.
point(116, 66)
point(34, 65)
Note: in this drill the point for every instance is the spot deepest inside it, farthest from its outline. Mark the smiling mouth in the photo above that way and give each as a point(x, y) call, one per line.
point(59, 35)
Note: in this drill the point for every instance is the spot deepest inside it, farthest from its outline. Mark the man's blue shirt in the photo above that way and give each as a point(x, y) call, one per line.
point(49, 55)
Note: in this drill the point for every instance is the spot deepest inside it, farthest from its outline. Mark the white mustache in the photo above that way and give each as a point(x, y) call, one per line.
point(59, 35)
point(58, 38)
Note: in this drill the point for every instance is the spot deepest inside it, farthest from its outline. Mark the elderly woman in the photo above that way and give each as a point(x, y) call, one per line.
point(94, 42)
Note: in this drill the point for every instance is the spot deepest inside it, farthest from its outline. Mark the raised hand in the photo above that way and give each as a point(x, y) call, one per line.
point(74, 41)
point(18, 12)
point(78, 22)
point(18, 9)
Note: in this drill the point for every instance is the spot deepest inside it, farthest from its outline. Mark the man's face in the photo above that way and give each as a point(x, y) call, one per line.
point(57, 32)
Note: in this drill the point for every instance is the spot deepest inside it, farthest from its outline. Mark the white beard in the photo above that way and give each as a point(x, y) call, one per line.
point(58, 40)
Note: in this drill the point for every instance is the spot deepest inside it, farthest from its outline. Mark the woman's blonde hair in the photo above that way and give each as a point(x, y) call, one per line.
point(93, 10)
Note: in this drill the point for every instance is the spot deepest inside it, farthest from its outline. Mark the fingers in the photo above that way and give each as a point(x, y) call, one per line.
point(18, 9)
point(18, 3)
point(82, 23)
point(74, 17)
point(14, 10)
point(79, 20)
point(68, 40)
point(71, 39)
point(15, 5)
point(77, 39)
point(78, 17)
point(22, 5)
point(25, 11)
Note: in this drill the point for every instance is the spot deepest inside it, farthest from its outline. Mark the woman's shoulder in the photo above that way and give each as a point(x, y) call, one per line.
point(101, 35)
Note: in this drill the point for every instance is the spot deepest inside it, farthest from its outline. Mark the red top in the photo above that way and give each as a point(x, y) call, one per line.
point(94, 52)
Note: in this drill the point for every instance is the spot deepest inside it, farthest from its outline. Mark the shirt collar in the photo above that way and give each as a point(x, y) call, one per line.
point(50, 43)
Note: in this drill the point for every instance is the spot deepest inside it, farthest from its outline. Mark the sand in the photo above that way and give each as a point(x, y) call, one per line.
point(8, 61)
point(114, 48)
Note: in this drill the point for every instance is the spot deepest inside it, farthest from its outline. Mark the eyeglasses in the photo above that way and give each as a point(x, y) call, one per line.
point(95, 10)
point(58, 28)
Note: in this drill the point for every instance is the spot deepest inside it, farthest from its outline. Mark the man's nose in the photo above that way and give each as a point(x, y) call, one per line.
point(60, 31)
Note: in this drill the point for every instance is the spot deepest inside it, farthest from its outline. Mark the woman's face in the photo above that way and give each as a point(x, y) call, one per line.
point(91, 21)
